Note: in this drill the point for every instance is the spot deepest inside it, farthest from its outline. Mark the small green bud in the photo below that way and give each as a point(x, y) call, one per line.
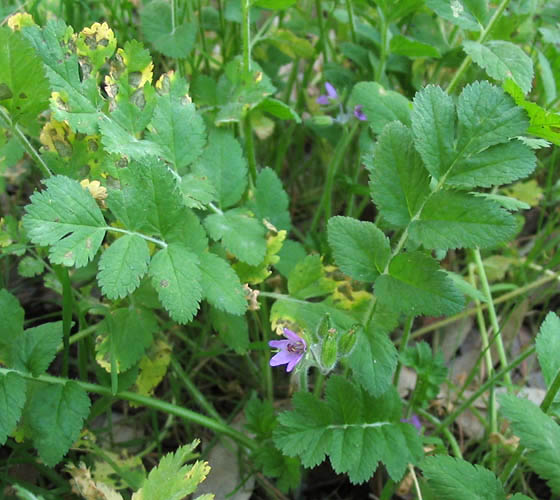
point(348, 340)
point(325, 326)
point(322, 120)
point(329, 351)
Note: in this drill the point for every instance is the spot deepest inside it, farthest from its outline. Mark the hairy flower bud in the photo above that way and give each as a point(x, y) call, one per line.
point(329, 351)
point(325, 325)
point(348, 340)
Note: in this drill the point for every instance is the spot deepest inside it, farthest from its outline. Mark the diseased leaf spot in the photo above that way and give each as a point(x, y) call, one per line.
point(88, 243)
point(69, 255)
point(164, 283)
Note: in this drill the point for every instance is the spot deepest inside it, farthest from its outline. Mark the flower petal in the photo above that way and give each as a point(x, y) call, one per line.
point(296, 358)
point(279, 344)
point(359, 114)
point(331, 91)
point(323, 100)
point(282, 357)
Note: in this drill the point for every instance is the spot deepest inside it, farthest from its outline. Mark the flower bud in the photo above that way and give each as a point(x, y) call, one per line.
point(324, 327)
point(329, 351)
point(348, 340)
point(322, 120)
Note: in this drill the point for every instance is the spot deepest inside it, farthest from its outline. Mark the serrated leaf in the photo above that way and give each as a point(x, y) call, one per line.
point(500, 164)
point(11, 319)
point(153, 367)
point(455, 11)
point(55, 415)
point(409, 47)
point(308, 279)
point(122, 266)
point(257, 274)
point(433, 125)
point(548, 347)
point(399, 182)
point(233, 330)
point(279, 109)
point(240, 234)
point(502, 60)
point(29, 267)
point(221, 285)
point(197, 191)
point(176, 278)
point(273, 463)
point(224, 165)
point(178, 129)
point(353, 428)
point(290, 44)
point(172, 479)
point(157, 26)
point(379, 105)
point(129, 333)
point(456, 479)
point(66, 217)
point(360, 249)
point(23, 97)
point(271, 201)
point(458, 220)
point(373, 360)
point(538, 432)
point(12, 400)
point(416, 285)
point(34, 349)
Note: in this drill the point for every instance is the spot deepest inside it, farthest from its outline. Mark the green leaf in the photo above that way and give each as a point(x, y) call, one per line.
point(360, 249)
point(271, 201)
point(76, 101)
point(176, 278)
point(502, 60)
point(130, 332)
point(278, 108)
point(55, 415)
point(289, 43)
point(290, 254)
point(307, 279)
point(500, 164)
point(223, 164)
point(373, 360)
point(416, 285)
point(397, 9)
point(66, 217)
point(11, 319)
point(22, 96)
point(409, 47)
point(353, 428)
point(233, 330)
point(379, 105)
point(458, 220)
point(548, 347)
point(197, 191)
point(399, 182)
point(538, 432)
point(172, 479)
point(456, 479)
point(456, 12)
point(29, 267)
point(433, 124)
point(260, 416)
point(273, 4)
point(34, 349)
point(159, 29)
point(221, 285)
point(273, 463)
point(240, 234)
point(178, 129)
point(12, 400)
point(122, 266)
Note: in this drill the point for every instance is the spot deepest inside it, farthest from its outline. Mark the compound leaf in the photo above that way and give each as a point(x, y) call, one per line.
point(122, 266)
point(548, 347)
point(12, 400)
point(34, 349)
point(176, 278)
point(416, 285)
point(55, 415)
point(271, 201)
point(66, 217)
point(360, 249)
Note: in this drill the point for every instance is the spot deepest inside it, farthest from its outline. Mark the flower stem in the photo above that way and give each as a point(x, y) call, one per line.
point(67, 305)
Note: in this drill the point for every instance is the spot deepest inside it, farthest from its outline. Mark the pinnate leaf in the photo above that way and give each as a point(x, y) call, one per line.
point(458, 220)
point(66, 217)
point(399, 182)
point(271, 201)
point(538, 432)
point(240, 234)
point(221, 285)
point(502, 60)
point(456, 479)
point(34, 349)
point(360, 249)
point(122, 266)
point(548, 347)
point(415, 284)
point(12, 399)
point(55, 414)
point(353, 428)
point(176, 278)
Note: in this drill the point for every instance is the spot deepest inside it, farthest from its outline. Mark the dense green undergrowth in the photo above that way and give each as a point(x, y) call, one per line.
point(195, 194)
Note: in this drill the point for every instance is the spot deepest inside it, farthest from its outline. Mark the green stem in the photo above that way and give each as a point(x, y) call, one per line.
point(322, 34)
point(250, 147)
point(351, 20)
point(246, 36)
point(492, 314)
point(160, 243)
point(67, 305)
point(402, 347)
point(481, 39)
point(380, 70)
point(149, 402)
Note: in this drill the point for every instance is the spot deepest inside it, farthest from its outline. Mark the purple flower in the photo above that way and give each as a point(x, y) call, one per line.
point(359, 114)
point(332, 95)
point(291, 350)
point(413, 420)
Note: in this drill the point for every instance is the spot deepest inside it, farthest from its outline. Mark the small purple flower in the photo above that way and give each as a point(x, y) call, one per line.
point(359, 114)
point(332, 95)
point(291, 350)
point(413, 420)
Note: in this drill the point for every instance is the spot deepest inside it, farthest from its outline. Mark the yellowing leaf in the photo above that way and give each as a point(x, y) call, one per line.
point(153, 367)
point(257, 274)
point(529, 192)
